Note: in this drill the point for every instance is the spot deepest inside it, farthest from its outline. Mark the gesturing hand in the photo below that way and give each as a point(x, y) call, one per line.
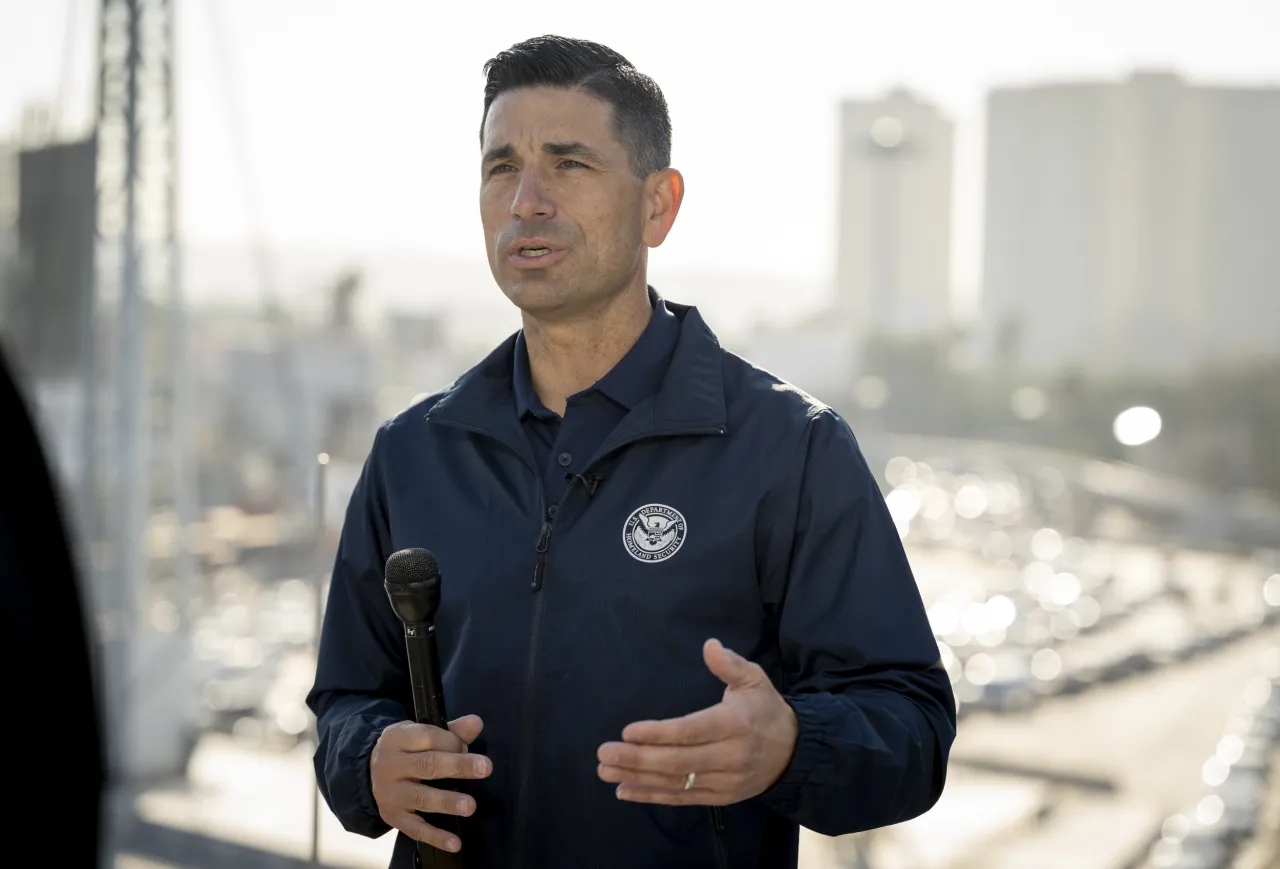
point(407, 754)
point(738, 748)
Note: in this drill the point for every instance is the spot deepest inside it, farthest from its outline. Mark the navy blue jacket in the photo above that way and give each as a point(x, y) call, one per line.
point(729, 505)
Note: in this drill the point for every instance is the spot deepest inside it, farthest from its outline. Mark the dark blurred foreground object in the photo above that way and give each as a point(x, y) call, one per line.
point(51, 731)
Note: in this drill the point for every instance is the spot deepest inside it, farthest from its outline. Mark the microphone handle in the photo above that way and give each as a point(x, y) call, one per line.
point(424, 674)
point(428, 708)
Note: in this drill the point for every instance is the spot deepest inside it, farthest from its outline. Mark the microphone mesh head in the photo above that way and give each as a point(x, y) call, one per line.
point(410, 566)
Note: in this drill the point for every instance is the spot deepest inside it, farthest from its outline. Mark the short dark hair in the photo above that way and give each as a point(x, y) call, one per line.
point(640, 117)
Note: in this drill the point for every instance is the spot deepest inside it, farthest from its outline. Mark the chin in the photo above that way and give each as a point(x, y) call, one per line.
point(538, 294)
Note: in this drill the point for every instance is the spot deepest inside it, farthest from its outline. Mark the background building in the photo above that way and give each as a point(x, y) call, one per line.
point(894, 231)
point(1131, 226)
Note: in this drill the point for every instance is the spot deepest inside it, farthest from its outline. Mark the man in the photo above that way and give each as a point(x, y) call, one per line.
point(676, 617)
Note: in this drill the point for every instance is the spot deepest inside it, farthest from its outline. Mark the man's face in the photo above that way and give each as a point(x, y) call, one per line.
point(564, 215)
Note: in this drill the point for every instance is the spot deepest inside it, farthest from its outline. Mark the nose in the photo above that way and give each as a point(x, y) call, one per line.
point(531, 201)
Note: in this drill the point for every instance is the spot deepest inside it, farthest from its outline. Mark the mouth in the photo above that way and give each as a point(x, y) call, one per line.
point(534, 252)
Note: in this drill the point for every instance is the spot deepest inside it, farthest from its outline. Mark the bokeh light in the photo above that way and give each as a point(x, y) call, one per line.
point(1210, 810)
point(980, 669)
point(1046, 544)
point(1271, 590)
point(1046, 665)
point(1137, 426)
point(1215, 771)
point(1230, 749)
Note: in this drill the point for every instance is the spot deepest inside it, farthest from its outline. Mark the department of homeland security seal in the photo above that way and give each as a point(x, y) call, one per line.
point(654, 532)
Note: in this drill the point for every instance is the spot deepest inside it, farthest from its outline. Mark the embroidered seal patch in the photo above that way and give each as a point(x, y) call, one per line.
point(654, 532)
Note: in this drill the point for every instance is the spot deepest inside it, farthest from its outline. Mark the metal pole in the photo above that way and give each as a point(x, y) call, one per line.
point(183, 493)
point(322, 464)
point(132, 477)
point(90, 524)
point(100, 527)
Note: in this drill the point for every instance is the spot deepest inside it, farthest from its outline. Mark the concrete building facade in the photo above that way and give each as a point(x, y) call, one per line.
point(893, 264)
point(1131, 226)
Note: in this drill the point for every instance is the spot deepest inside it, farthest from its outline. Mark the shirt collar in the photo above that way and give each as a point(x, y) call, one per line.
point(691, 399)
point(635, 377)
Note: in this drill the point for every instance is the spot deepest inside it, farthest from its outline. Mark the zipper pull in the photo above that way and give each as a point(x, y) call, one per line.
point(540, 567)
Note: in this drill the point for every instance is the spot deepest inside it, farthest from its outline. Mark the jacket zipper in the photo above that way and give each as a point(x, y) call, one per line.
point(531, 672)
point(717, 821)
point(540, 566)
point(539, 579)
point(539, 573)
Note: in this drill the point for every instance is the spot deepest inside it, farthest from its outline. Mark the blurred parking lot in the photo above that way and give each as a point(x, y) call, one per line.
point(1119, 700)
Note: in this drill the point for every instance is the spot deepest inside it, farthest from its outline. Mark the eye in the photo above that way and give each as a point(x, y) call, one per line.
point(502, 169)
point(572, 164)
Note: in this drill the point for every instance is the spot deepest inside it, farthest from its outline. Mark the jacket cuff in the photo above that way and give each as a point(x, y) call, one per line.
point(364, 793)
point(811, 756)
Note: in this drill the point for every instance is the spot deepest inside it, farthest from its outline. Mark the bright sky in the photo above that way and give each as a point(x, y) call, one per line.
point(362, 117)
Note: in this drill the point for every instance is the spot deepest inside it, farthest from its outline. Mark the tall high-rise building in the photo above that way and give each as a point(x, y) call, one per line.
point(46, 308)
point(893, 264)
point(1131, 227)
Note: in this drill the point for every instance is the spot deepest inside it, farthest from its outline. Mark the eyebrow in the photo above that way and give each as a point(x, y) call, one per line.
point(573, 149)
point(502, 152)
point(555, 149)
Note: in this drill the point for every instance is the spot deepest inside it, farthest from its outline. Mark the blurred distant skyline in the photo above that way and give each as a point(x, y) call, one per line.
point(361, 122)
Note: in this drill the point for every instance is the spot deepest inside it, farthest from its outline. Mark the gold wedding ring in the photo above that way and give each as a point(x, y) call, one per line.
point(689, 780)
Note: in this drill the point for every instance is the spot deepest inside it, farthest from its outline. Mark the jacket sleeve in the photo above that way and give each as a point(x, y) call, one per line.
point(860, 665)
point(362, 682)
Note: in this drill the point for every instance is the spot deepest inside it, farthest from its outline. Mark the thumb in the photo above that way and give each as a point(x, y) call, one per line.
point(729, 667)
point(466, 728)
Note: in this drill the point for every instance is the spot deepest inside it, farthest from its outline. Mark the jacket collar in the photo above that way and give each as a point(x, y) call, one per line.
point(636, 376)
point(690, 398)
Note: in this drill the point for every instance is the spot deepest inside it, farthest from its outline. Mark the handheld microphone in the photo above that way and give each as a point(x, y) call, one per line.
point(412, 581)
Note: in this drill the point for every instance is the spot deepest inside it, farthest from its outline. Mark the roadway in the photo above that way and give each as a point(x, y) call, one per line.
point(1102, 770)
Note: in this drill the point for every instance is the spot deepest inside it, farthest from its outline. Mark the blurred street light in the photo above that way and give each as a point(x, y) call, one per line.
point(1271, 590)
point(1137, 426)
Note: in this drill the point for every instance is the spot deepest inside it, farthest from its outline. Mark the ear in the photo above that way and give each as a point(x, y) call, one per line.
point(663, 193)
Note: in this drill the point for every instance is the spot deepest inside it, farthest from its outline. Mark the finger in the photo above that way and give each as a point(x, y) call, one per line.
point(413, 797)
point(714, 781)
point(419, 830)
point(466, 728)
point(731, 668)
point(668, 797)
point(431, 765)
point(677, 760)
point(409, 736)
point(713, 724)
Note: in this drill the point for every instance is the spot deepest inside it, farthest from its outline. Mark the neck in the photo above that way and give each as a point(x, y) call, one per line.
point(568, 356)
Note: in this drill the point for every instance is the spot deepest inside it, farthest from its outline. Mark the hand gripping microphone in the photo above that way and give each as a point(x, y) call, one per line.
point(412, 581)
